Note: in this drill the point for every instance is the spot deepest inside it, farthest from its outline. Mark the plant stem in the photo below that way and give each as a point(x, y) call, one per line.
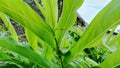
point(59, 53)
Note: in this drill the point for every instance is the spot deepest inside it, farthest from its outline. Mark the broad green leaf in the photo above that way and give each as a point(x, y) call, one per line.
point(9, 43)
point(51, 10)
point(28, 18)
point(112, 60)
point(9, 26)
point(104, 20)
point(67, 18)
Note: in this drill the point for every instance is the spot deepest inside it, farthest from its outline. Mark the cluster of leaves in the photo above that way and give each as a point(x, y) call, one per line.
point(53, 42)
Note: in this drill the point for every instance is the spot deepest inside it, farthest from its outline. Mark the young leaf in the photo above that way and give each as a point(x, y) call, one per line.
point(68, 17)
point(51, 9)
point(9, 43)
point(104, 20)
point(9, 26)
point(25, 16)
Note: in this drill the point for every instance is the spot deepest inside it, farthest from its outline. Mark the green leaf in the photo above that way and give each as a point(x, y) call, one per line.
point(112, 60)
point(77, 30)
point(9, 43)
point(47, 52)
point(6, 58)
point(40, 8)
point(32, 40)
point(104, 20)
point(51, 9)
point(9, 26)
point(8, 66)
point(115, 39)
point(30, 20)
point(72, 65)
point(68, 17)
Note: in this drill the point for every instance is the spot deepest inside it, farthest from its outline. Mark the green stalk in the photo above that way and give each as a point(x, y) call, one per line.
point(58, 51)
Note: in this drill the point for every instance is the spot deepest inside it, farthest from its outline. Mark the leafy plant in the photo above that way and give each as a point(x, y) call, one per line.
point(53, 42)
